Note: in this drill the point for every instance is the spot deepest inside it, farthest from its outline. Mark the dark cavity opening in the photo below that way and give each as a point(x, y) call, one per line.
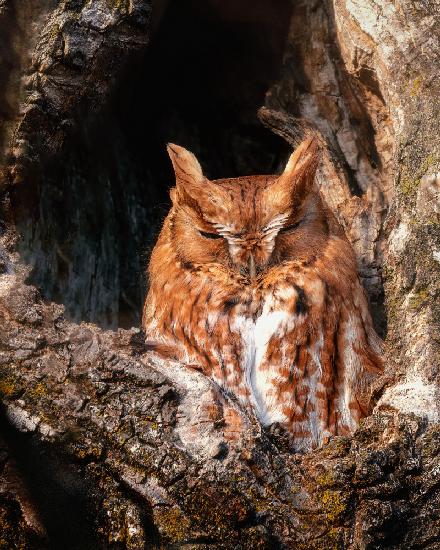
point(200, 84)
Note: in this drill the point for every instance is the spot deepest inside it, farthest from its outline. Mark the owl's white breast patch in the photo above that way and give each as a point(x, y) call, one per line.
point(256, 335)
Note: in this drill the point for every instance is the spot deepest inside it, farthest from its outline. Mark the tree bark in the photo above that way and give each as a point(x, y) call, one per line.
point(106, 446)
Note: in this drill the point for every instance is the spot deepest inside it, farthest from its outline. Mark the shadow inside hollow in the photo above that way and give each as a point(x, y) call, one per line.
point(97, 208)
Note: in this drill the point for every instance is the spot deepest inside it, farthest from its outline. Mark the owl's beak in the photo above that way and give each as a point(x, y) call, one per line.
point(251, 266)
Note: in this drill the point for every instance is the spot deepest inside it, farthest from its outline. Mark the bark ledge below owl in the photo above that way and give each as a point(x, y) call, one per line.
point(253, 281)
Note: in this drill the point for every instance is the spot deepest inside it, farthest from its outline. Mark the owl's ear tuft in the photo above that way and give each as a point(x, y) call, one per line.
point(190, 180)
point(303, 160)
point(298, 175)
point(192, 188)
point(186, 166)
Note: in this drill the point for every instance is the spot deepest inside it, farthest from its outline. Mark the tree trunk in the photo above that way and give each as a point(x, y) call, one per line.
point(105, 446)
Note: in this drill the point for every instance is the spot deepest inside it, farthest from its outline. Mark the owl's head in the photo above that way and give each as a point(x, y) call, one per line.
point(247, 224)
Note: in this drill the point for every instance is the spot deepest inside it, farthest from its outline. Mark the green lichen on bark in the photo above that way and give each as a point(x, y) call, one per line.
point(120, 5)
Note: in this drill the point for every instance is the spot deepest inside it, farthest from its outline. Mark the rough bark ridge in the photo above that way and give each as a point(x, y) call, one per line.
point(104, 446)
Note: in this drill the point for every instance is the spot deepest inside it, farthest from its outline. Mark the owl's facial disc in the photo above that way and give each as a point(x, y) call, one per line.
point(246, 224)
point(250, 250)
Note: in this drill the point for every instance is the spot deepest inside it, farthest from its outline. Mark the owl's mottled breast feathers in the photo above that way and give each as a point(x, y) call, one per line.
point(253, 280)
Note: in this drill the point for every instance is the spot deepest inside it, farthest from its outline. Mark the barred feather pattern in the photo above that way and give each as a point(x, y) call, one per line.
point(253, 282)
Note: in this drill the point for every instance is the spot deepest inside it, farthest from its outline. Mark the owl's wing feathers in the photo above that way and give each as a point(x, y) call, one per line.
point(360, 349)
point(336, 361)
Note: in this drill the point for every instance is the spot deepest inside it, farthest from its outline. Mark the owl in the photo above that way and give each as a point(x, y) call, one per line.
point(253, 281)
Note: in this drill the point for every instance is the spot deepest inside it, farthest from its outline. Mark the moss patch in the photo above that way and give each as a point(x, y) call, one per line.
point(38, 391)
point(419, 298)
point(172, 524)
point(409, 185)
point(120, 5)
point(416, 86)
point(334, 505)
point(410, 182)
point(7, 387)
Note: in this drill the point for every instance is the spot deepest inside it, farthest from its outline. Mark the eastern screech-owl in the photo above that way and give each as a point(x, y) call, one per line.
point(253, 280)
